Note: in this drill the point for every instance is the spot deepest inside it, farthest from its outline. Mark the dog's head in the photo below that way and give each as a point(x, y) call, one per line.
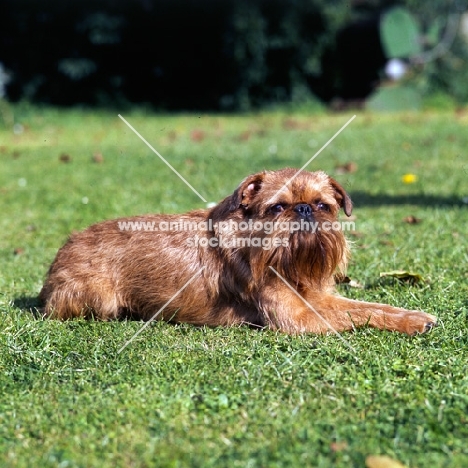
point(294, 214)
point(274, 192)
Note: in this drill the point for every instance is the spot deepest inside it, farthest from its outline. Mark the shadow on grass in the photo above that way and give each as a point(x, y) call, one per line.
point(386, 282)
point(33, 306)
point(361, 199)
point(30, 304)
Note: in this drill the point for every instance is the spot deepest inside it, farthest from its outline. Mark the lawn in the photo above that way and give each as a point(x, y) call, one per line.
point(184, 396)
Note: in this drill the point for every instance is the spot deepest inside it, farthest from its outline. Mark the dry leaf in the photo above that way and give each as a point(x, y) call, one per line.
point(356, 284)
point(244, 136)
point(412, 220)
point(382, 461)
point(98, 158)
point(338, 446)
point(197, 135)
point(291, 124)
point(343, 279)
point(403, 275)
point(65, 158)
point(347, 168)
point(386, 242)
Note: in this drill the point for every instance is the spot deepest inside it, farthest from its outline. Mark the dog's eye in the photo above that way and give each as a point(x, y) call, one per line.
point(278, 208)
point(323, 207)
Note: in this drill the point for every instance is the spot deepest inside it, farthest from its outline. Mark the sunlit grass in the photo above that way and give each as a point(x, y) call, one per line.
point(185, 396)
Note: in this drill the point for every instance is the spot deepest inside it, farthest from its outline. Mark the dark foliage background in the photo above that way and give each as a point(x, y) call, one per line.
point(197, 54)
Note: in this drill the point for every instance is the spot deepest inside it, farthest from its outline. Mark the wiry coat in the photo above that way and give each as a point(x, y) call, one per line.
point(111, 272)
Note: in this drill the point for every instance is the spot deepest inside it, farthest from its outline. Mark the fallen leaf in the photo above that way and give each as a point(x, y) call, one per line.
point(338, 446)
point(347, 168)
point(355, 284)
point(244, 136)
point(412, 220)
point(382, 461)
point(343, 279)
point(386, 242)
point(65, 158)
point(98, 158)
point(291, 124)
point(403, 275)
point(197, 135)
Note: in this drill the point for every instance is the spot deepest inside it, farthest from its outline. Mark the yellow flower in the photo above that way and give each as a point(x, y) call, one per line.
point(409, 178)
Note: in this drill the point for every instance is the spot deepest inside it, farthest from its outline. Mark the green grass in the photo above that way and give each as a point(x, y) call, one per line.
point(185, 396)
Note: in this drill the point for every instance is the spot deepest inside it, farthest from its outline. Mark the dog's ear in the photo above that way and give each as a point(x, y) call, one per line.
point(246, 192)
point(242, 196)
point(343, 199)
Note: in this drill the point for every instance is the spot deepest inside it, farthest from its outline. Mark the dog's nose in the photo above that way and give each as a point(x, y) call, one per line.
point(303, 210)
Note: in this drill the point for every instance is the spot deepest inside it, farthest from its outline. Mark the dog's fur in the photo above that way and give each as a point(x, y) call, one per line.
point(108, 273)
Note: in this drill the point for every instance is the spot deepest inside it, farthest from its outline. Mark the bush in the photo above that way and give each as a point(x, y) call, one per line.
point(211, 54)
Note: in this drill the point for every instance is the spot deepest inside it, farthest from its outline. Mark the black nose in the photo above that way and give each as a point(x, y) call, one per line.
point(303, 210)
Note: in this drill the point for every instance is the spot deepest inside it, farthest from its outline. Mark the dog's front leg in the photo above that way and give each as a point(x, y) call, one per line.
point(322, 312)
point(344, 314)
point(386, 317)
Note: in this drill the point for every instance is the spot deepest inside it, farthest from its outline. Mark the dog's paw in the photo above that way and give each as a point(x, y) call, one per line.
point(429, 326)
point(420, 322)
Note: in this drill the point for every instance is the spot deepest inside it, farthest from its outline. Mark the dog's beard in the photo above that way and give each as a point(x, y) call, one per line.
point(304, 258)
point(307, 259)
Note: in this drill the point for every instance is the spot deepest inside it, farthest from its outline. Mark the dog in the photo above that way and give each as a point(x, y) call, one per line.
point(244, 261)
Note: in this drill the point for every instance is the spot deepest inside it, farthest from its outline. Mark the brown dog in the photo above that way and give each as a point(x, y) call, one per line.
point(244, 261)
